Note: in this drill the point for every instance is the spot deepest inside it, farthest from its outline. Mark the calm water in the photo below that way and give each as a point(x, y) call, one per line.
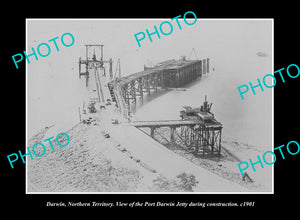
point(54, 91)
point(247, 120)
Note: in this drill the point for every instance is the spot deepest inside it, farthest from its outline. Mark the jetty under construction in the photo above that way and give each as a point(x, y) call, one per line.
point(197, 129)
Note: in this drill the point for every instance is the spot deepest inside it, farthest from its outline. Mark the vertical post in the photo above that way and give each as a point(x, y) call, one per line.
point(101, 52)
point(104, 72)
point(148, 85)
point(86, 53)
point(140, 87)
point(172, 131)
point(185, 134)
point(193, 136)
point(203, 139)
point(127, 92)
point(110, 69)
point(200, 66)
point(194, 70)
point(156, 82)
point(207, 65)
point(206, 138)
point(197, 142)
point(79, 67)
point(152, 131)
point(132, 90)
point(173, 80)
point(220, 135)
point(87, 62)
point(189, 136)
point(119, 68)
point(212, 141)
point(79, 114)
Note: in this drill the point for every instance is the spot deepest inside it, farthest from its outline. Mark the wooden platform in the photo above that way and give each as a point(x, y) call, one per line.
point(174, 123)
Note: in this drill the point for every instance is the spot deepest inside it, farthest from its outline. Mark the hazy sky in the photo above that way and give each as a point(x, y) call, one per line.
point(209, 37)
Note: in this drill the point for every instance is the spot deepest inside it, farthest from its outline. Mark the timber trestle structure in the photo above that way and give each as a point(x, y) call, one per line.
point(167, 74)
point(201, 138)
point(198, 136)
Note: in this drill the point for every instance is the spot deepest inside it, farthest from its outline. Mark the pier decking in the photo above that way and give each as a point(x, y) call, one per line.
point(168, 74)
point(199, 136)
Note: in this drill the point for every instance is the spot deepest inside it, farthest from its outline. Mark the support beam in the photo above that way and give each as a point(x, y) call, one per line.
point(207, 65)
point(140, 87)
point(86, 54)
point(172, 131)
point(202, 138)
point(220, 135)
point(79, 67)
point(152, 131)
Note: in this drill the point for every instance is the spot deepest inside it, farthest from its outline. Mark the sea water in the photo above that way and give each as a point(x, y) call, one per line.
point(248, 121)
point(54, 90)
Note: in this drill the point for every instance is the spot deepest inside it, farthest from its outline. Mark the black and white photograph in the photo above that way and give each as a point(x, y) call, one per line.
point(157, 117)
point(123, 107)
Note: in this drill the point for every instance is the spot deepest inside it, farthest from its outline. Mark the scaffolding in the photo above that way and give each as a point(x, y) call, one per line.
point(90, 63)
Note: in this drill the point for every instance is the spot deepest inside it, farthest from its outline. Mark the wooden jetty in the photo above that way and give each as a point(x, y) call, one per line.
point(169, 74)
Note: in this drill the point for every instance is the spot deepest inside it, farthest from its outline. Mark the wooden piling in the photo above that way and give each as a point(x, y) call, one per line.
point(172, 131)
point(152, 131)
point(79, 114)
